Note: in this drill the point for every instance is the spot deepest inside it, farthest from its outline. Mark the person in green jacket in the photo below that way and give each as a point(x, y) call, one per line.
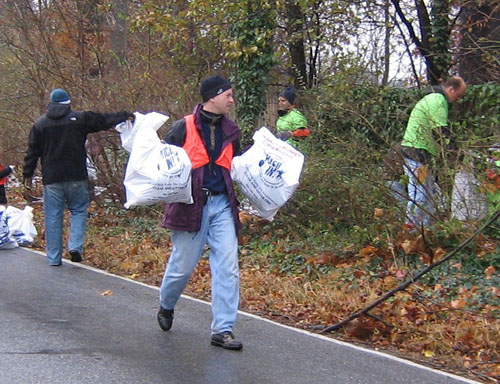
point(426, 130)
point(291, 125)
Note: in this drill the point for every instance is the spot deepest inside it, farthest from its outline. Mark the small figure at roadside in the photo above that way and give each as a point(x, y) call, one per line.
point(58, 139)
point(4, 174)
point(426, 132)
point(291, 124)
point(211, 141)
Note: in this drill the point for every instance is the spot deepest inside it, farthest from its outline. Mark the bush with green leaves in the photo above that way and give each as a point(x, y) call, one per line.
point(378, 115)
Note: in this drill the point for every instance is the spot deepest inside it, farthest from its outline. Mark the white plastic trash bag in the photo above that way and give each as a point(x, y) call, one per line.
point(128, 130)
point(156, 171)
point(21, 224)
point(268, 172)
point(6, 240)
point(467, 202)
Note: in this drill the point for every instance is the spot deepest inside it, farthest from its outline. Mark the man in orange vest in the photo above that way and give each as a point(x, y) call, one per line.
point(210, 140)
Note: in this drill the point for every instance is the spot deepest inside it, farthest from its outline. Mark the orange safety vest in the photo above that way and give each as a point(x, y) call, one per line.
point(196, 151)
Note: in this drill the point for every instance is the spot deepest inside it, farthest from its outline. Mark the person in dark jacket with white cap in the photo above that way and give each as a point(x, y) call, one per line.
point(58, 139)
point(211, 140)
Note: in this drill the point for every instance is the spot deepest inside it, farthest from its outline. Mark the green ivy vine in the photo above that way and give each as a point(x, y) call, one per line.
point(252, 50)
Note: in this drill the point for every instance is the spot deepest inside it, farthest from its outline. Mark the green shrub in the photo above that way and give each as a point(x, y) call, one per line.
point(378, 115)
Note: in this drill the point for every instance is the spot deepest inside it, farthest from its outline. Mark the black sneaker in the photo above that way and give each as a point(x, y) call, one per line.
point(226, 340)
point(56, 265)
point(76, 257)
point(165, 318)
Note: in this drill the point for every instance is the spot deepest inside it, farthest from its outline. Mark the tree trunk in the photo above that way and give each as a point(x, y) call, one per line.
point(440, 45)
point(295, 32)
point(387, 46)
point(479, 60)
point(118, 37)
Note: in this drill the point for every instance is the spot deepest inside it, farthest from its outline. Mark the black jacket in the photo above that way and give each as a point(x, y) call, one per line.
point(58, 139)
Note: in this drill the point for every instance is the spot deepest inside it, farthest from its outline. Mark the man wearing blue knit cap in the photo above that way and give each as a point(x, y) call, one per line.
point(58, 139)
point(60, 96)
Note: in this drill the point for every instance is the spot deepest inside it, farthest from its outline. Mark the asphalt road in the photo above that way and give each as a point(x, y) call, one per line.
point(74, 324)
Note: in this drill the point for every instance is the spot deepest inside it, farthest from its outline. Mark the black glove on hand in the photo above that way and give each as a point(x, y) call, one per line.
point(27, 189)
point(284, 135)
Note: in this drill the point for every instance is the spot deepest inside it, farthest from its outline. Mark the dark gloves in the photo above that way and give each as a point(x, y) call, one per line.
point(284, 135)
point(27, 181)
point(446, 134)
point(27, 188)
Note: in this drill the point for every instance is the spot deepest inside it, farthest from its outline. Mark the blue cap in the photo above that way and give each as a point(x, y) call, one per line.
point(59, 95)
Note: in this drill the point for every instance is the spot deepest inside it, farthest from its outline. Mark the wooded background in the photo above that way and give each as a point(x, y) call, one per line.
point(358, 65)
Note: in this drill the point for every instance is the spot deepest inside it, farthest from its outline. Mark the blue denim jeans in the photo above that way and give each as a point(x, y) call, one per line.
point(422, 193)
point(74, 195)
point(218, 231)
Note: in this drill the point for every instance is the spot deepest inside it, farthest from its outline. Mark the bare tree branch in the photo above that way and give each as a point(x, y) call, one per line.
point(405, 285)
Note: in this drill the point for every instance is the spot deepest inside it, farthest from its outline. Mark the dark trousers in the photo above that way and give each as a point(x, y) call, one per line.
point(3, 197)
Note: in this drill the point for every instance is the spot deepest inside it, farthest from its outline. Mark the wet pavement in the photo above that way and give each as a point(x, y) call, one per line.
point(75, 324)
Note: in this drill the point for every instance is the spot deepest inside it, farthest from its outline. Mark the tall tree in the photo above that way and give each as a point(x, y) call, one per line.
point(479, 59)
point(313, 31)
point(432, 34)
point(294, 25)
point(118, 37)
point(387, 43)
point(253, 35)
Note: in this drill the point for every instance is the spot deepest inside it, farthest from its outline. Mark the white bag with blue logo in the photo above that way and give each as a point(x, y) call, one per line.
point(156, 172)
point(268, 173)
point(21, 225)
point(6, 239)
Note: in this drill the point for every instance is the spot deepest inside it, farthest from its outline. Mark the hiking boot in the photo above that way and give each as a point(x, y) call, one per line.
point(226, 340)
point(165, 318)
point(76, 257)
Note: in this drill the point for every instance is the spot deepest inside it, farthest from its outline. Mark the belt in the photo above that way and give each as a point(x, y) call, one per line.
point(208, 192)
point(416, 154)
